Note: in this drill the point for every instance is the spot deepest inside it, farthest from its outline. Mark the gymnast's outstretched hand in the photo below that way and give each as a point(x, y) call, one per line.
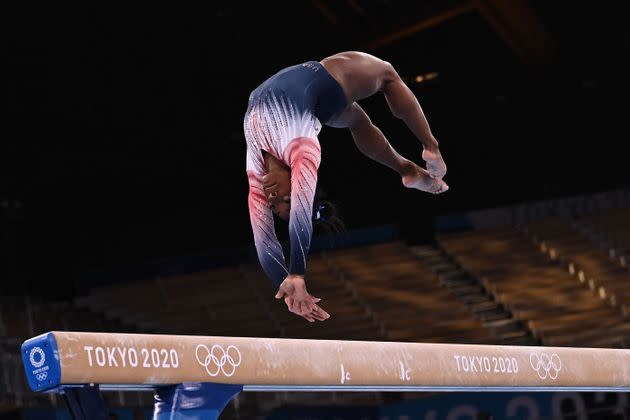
point(299, 301)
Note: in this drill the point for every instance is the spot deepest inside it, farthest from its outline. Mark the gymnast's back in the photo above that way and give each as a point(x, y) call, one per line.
point(307, 86)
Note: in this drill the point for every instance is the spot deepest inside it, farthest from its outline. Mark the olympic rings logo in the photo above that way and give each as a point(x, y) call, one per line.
point(42, 357)
point(218, 360)
point(546, 366)
point(41, 376)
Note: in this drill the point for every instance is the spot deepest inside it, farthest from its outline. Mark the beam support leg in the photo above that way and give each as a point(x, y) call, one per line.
point(193, 401)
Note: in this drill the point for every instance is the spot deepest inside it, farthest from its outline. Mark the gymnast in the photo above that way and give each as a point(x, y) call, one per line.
point(283, 119)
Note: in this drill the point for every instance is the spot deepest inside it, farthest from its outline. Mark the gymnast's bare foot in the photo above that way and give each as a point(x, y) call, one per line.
point(420, 179)
point(435, 164)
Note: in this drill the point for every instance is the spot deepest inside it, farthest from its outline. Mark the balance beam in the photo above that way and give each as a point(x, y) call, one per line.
point(60, 359)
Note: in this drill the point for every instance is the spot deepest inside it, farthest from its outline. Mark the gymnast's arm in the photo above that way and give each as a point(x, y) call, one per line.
point(268, 247)
point(304, 156)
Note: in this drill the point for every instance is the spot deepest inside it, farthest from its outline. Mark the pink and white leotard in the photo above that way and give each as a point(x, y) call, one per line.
point(283, 118)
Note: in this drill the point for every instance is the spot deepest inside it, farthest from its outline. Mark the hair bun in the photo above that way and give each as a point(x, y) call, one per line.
point(317, 213)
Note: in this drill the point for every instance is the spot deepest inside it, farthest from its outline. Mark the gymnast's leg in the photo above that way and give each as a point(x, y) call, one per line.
point(404, 105)
point(371, 141)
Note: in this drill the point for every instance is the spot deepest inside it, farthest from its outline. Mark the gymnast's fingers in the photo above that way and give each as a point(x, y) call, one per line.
point(309, 304)
point(304, 308)
point(290, 303)
point(319, 311)
point(318, 316)
point(308, 317)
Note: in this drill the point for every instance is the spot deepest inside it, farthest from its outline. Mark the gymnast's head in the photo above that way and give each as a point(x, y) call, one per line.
point(277, 187)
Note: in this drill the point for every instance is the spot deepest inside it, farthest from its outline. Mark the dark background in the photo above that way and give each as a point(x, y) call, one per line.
point(124, 142)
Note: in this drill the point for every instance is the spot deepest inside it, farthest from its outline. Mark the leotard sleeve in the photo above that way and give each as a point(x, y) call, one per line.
point(303, 155)
point(268, 247)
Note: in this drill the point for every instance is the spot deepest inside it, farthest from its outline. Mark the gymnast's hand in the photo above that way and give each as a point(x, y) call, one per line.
point(299, 301)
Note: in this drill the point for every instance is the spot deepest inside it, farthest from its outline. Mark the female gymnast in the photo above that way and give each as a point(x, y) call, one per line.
point(283, 119)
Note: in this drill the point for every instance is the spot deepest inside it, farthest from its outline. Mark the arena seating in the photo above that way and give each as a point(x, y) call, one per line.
point(610, 228)
point(550, 281)
point(412, 295)
point(539, 289)
point(587, 260)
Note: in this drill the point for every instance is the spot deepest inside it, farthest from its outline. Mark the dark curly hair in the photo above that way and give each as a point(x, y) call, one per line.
point(326, 214)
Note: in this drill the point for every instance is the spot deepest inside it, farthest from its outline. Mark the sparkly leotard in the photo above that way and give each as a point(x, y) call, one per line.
point(284, 115)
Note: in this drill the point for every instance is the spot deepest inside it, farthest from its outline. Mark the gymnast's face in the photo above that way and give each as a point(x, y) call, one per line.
point(277, 186)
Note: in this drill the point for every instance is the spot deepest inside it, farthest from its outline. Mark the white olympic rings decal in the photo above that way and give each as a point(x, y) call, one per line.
point(218, 360)
point(42, 357)
point(41, 376)
point(546, 366)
